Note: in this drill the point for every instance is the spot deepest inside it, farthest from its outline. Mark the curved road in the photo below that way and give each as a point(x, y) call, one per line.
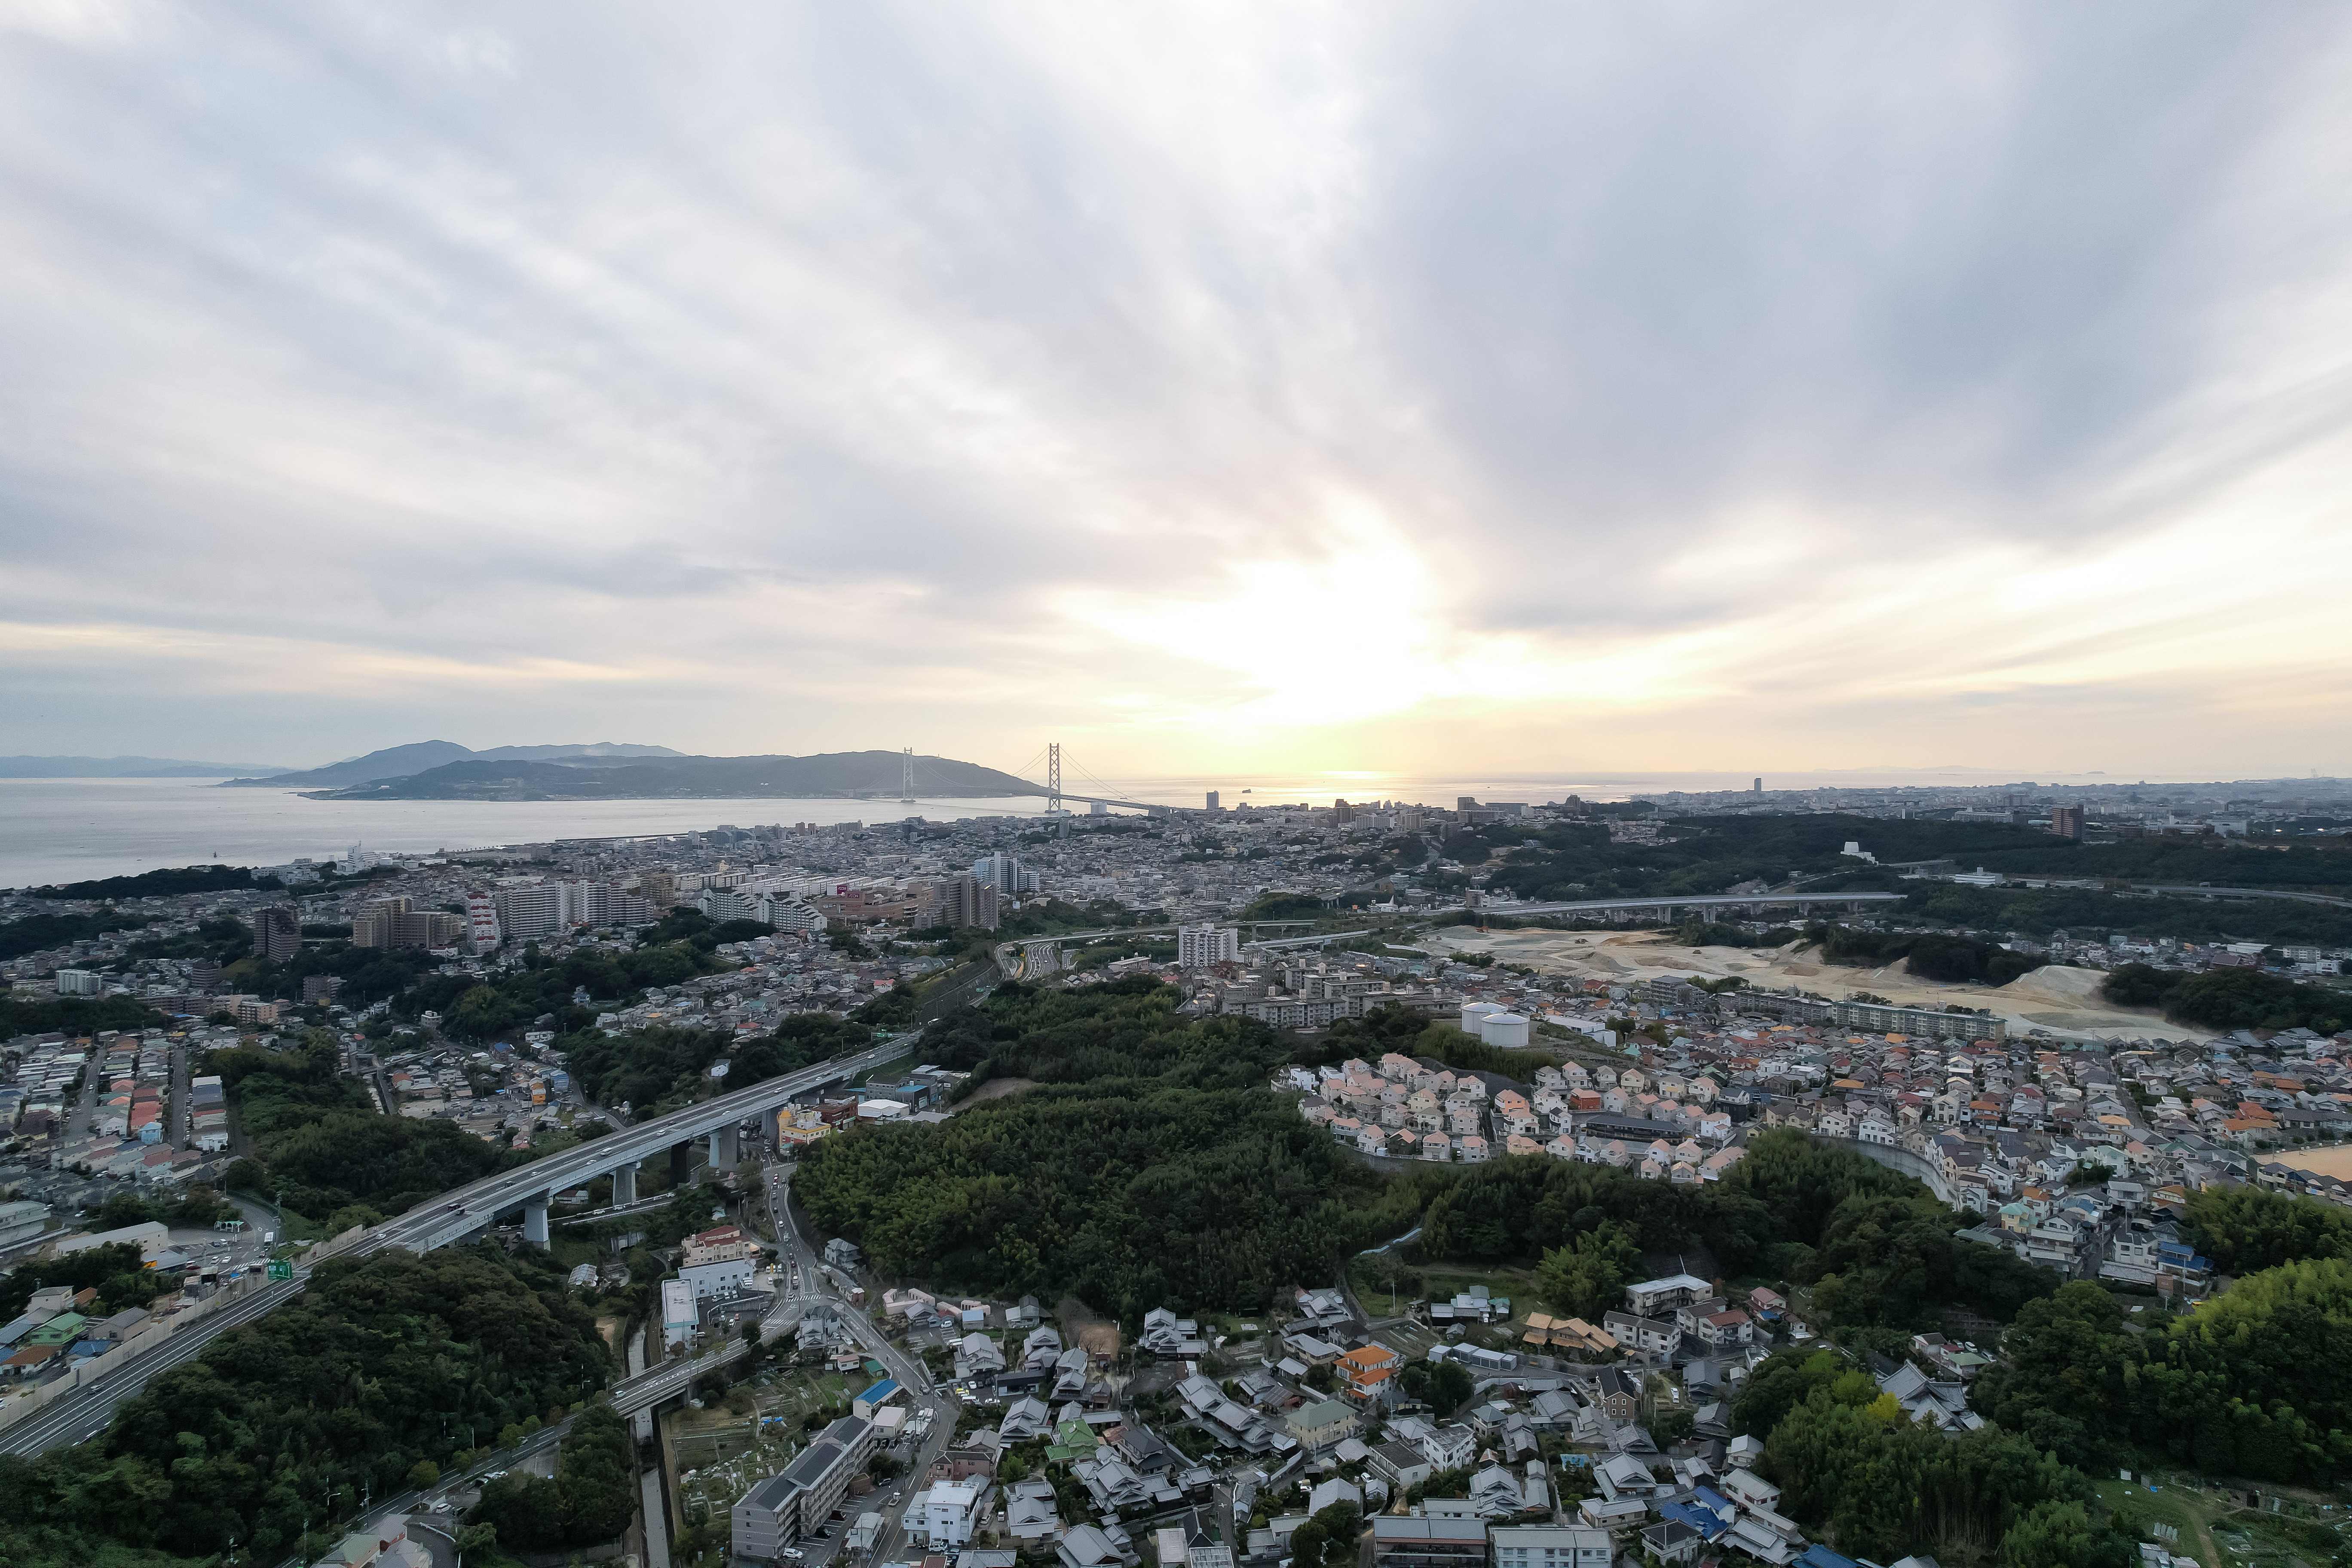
point(455, 1215)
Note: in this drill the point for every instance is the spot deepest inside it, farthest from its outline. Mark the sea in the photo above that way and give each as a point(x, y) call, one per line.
point(68, 830)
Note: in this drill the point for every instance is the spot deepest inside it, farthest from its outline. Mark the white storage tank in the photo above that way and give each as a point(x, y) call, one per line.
point(1475, 1016)
point(1507, 1030)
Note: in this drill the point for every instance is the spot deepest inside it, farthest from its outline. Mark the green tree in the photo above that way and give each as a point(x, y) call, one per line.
point(474, 1538)
point(423, 1476)
point(1588, 1275)
point(2061, 1535)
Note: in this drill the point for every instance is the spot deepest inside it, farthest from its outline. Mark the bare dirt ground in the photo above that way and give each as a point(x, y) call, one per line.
point(1086, 1328)
point(2063, 1001)
point(994, 1089)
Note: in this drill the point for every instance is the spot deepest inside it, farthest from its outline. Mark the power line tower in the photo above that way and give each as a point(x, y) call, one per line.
point(1054, 786)
point(906, 776)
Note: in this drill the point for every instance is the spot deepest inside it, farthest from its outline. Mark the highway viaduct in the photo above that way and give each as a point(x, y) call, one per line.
point(1751, 904)
point(463, 1211)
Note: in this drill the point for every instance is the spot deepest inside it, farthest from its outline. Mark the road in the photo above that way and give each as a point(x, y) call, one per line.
point(463, 1210)
point(451, 1217)
point(84, 1415)
point(454, 1493)
point(85, 1106)
point(175, 1107)
point(1694, 902)
point(794, 1250)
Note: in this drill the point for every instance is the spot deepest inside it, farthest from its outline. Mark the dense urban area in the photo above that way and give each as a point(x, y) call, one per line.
point(1888, 1177)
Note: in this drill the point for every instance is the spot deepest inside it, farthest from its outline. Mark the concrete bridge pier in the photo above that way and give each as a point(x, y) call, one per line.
point(723, 1151)
point(534, 1219)
point(625, 1186)
point(681, 1161)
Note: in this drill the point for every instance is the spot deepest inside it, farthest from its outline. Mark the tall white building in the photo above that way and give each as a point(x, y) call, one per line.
point(1197, 947)
point(482, 922)
point(587, 903)
point(527, 907)
point(1005, 873)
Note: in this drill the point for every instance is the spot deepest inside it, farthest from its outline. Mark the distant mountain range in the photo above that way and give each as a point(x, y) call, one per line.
point(126, 768)
point(403, 761)
point(610, 775)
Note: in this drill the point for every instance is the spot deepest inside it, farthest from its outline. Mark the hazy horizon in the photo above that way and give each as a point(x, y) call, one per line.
point(1399, 389)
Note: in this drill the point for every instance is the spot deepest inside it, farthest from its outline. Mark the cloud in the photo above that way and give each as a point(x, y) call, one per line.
point(1396, 386)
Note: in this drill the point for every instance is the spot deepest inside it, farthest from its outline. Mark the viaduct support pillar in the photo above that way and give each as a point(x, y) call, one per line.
point(681, 1162)
point(625, 1186)
point(723, 1156)
point(534, 1220)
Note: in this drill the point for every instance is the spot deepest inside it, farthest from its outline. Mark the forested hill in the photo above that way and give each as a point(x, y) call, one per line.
point(1151, 1166)
point(381, 1365)
point(834, 774)
point(1709, 854)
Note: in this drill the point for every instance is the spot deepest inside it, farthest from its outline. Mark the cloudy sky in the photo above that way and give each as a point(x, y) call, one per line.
point(1443, 387)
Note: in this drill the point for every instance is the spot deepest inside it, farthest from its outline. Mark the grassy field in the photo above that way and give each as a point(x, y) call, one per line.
point(740, 1433)
point(2219, 1533)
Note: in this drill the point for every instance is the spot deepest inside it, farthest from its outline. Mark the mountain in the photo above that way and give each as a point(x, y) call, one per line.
point(400, 761)
point(125, 768)
point(838, 774)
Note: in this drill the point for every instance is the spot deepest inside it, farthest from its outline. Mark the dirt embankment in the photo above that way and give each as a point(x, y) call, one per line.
point(2065, 1001)
point(994, 1089)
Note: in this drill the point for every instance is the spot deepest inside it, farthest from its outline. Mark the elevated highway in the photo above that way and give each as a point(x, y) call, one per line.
point(455, 1216)
point(1752, 904)
point(463, 1211)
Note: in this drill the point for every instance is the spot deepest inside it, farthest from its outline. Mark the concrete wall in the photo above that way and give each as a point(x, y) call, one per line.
point(1899, 1158)
point(158, 1334)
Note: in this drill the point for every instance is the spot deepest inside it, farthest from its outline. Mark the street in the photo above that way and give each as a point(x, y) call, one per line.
point(795, 1257)
point(83, 1414)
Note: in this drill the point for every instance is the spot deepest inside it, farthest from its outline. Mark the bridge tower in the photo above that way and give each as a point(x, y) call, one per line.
point(906, 776)
point(1054, 787)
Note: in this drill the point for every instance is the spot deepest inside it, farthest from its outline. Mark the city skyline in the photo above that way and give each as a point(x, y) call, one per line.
point(1220, 392)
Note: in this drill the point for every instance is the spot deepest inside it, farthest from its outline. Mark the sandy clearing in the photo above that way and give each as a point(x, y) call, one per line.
point(2064, 1001)
point(2335, 1161)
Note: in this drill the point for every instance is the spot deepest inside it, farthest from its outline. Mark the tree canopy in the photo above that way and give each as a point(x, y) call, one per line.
point(2230, 999)
point(1150, 1166)
point(379, 1364)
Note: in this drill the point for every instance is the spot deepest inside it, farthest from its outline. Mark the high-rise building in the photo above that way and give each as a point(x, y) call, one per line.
point(1213, 800)
point(394, 922)
point(1003, 872)
point(482, 931)
point(968, 901)
point(276, 933)
point(2066, 821)
point(1197, 947)
point(1412, 819)
point(528, 908)
point(657, 888)
point(587, 903)
point(377, 923)
point(1342, 813)
point(1465, 803)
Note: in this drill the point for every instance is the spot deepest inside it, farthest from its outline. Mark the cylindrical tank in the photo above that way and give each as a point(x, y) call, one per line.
point(1507, 1030)
point(1474, 1014)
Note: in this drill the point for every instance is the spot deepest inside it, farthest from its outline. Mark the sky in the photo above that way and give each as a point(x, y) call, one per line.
point(1422, 388)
